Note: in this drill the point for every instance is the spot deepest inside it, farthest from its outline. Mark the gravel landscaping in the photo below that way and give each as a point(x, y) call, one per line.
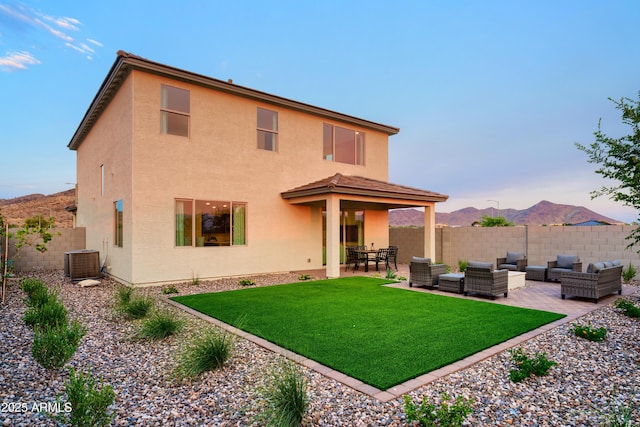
point(590, 380)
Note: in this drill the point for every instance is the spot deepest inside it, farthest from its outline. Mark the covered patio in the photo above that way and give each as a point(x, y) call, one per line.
point(338, 193)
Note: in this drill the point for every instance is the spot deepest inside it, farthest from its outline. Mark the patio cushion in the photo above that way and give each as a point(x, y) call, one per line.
point(608, 264)
point(513, 257)
point(566, 261)
point(476, 264)
point(423, 260)
point(616, 262)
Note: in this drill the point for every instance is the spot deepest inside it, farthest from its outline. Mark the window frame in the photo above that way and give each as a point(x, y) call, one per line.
point(118, 231)
point(273, 132)
point(166, 112)
point(196, 220)
point(329, 145)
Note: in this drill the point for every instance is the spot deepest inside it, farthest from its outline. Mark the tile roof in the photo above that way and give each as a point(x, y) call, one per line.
point(361, 186)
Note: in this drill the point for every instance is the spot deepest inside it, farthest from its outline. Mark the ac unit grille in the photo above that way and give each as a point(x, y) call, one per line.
point(83, 264)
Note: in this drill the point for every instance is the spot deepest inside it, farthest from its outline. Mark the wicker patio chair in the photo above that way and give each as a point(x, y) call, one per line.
point(563, 264)
point(481, 278)
point(423, 273)
point(596, 283)
point(514, 261)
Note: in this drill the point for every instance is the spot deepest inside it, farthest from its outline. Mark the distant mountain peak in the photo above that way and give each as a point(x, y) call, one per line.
point(542, 213)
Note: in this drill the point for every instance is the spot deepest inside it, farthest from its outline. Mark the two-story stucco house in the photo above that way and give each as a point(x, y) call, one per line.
point(180, 176)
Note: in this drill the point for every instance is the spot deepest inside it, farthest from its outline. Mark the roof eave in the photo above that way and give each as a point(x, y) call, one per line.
point(360, 192)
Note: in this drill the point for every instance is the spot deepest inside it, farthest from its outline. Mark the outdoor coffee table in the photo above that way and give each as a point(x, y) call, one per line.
point(516, 280)
point(536, 272)
point(451, 282)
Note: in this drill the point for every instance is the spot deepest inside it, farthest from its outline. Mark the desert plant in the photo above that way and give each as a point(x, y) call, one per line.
point(617, 414)
point(30, 285)
point(539, 365)
point(246, 282)
point(161, 324)
point(285, 396)
point(390, 274)
point(589, 333)
point(628, 308)
point(88, 404)
point(462, 265)
point(428, 414)
point(53, 347)
point(122, 296)
point(51, 313)
point(304, 277)
point(170, 290)
point(207, 352)
point(195, 280)
point(628, 273)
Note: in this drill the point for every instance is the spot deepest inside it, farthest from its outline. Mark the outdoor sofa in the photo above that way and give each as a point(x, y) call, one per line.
point(423, 273)
point(514, 261)
point(600, 279)
point(481, 278)
point(563, 264)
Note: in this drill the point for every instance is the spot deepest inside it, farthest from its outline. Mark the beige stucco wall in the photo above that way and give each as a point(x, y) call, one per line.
point(64, 240)
point(542, 244)
point(219, 161)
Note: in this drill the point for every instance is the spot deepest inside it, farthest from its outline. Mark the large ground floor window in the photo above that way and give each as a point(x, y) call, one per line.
point(351, 232)
point(210, 223)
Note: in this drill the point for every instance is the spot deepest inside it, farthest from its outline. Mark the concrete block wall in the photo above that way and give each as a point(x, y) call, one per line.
point(28, 259)
point(541, 244)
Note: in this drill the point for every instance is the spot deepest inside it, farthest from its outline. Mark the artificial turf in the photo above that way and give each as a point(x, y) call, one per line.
point(380, 335)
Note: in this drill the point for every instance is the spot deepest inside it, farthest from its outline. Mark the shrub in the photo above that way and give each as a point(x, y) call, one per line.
point(629, 273)
point(390, 274)
point(123, 296)
point(462, 265)
point(539, 365)
point(88, 403)
point(246, 282)
point(206, 353)
point(130, 305)
point(628, 308)
point(589, 333)
point(40, 296)
point(53, 347)
point(286, 396)
point(428, 414)
point(618, 414)
point(304, 277)
point(170, 290)
point(160, 325)
point(30, 285)
point(51, 313)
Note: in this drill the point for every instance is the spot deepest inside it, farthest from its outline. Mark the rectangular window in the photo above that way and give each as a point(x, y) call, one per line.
point(217, 223)
point(102, 180)
point(342, 145)
point(175, 110)
point(267, 129)
point(118, 220)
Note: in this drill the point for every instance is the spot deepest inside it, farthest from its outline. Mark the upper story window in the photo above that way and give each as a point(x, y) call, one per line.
point(267, 129)
point(343, 145)
point(175, 110)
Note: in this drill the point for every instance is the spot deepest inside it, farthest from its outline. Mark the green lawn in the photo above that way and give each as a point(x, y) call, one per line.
point(382, 336)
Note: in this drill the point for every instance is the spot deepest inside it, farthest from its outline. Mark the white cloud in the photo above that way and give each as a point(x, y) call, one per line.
point(17, 61)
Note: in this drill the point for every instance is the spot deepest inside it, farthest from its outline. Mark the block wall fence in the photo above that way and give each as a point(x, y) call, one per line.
point(28, 259)
point(541, 244)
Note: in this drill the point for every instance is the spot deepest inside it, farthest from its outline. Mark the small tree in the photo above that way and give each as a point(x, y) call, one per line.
point(497, 221)
point(35, 228)
point(619, 160)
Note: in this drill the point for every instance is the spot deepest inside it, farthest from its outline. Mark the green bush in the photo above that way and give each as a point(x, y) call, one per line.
point(89, 404)
point(51, 313)
point(53, 347)
point(629, 273)
point(170, 290)
point(390, 274)
point(539, 365)
point(40, 296)
point(122, 297)
point(428, 414)
point(30, 285)
point(628, 308)
point(160, 325)
point(246, 282)
point(285, 396)
point(589, 333)
point(462, 265)
point(206, 353)
point(304, 277)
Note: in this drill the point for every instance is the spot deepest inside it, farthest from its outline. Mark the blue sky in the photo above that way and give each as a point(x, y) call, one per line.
point(490, 96)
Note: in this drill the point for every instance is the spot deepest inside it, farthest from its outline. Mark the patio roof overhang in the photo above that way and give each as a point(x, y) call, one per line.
point(357, 192)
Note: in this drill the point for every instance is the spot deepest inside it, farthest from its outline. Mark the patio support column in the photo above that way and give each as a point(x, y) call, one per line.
point(333, 236)
point(430, 232)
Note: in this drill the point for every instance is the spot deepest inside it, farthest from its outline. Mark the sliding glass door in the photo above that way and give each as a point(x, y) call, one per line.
point(351, 232)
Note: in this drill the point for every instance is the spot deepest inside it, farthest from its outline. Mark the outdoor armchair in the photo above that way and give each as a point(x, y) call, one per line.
point(514, 261)
point(563, 264)
point(387, 255)
point(481, 278)
point(599, 280)
point(423, 273)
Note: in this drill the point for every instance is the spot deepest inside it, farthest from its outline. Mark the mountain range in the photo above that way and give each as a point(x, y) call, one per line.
point(542, 213)
point(16, 210)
